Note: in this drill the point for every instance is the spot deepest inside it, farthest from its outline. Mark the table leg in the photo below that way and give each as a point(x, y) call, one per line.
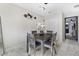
point(29, 49)
point(34, 49)
point(51, 51)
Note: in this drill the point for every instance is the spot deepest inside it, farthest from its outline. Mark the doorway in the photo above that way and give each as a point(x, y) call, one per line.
point(71, 28)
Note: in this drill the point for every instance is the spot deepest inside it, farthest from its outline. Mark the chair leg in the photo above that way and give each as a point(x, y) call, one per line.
point(34, 50)
point(29, 49)
point(55, 50)
point(42, 48)
point(51, 51)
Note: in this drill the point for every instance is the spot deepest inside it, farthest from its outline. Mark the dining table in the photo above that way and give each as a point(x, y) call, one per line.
point(41, 37)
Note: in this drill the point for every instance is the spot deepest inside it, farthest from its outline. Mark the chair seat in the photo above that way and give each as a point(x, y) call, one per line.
point(47, 43)
point(37, 43)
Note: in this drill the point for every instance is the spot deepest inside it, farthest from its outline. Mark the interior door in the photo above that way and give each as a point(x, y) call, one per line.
point(71, 28)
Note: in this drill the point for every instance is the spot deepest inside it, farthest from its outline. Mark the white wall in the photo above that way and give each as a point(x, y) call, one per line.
point(15, 26)
point(0, 33)
point(55, 24)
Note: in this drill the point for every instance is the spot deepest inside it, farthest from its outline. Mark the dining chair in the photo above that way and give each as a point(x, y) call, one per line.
point(34, 32)
point(50, 43)
point(41, 32)
point(32, 43)
point(48, 31)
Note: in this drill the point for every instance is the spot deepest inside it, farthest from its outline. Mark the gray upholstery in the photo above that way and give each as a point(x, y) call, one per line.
point(32, 43)
point(50, 43)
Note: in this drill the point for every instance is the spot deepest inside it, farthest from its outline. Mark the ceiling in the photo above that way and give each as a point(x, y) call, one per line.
point(50, 8)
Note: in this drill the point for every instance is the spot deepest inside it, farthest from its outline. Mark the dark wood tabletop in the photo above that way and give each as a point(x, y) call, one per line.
point(42, 36)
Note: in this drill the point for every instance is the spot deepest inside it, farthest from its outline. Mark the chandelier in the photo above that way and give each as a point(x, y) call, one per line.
point(41, 26)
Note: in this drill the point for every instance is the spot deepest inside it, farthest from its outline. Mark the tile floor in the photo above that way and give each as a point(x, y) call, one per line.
point(1, 48)
point(68, 48)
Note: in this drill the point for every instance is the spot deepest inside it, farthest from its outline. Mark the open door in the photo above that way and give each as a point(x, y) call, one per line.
point(71, 28)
